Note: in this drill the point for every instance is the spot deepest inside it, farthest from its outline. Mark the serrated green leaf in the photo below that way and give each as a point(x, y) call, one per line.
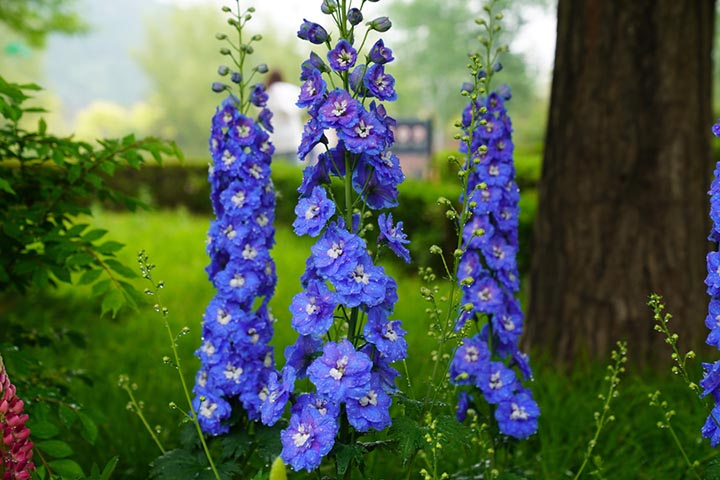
point(89, 276)
point(95, 234)
point(67, 468)
point(79, 260)
point(89, 429)
point(120, 268)
point(109, 247)
point(712, 470)
point(43, 430)
point(55, 448)
point(101, 287)
point(112, 303)
point(409, 436)
point(177, 464)
point(42, 126)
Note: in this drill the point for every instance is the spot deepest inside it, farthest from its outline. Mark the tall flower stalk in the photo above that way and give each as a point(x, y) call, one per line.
point(711, 379)
point(487, 270)
point(347, 338)
point(15, 446)
point(237, 364)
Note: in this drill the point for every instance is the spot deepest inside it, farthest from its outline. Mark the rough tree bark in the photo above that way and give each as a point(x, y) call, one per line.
point(622, 198)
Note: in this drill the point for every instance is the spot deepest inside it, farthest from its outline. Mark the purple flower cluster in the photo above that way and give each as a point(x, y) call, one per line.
point(488, 273)
point(236, 360)
point(345, 295)
point(711, 381)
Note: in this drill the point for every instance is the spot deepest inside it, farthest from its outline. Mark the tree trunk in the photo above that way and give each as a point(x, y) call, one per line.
point(623, 210)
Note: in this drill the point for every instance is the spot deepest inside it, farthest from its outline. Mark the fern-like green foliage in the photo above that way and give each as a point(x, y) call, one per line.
point(47, 184)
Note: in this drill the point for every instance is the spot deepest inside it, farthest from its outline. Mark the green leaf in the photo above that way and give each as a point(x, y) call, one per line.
point(42, 127)
point(67, 468)
point(89, 429)
point(55, 448)
point(109, 468)
point(408, 434)
point(43, 430)
point(110, 247)
point(89, 276)
point(112, 303)
point(101, 287)
point(93, 235)
point(67, 415)
point(278, 471)
point(712, 470)
point(120, 268)
point(344, 455)
point(177, 464)
point(5, 186)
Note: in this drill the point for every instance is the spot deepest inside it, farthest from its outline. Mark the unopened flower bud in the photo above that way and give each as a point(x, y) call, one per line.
point(223, 70)
point(380, 24)
point(218, 87)
point(236, 77)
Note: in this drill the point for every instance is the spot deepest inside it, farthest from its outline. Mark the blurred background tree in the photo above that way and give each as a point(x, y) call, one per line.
point(622, 208)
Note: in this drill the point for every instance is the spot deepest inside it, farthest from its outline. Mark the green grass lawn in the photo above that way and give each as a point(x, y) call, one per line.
point(134, 343)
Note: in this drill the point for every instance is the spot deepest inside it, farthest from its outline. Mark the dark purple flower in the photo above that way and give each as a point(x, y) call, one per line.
point(312, 32)
point(279, 389)
point(380, 54)
point(339, 110)
point(301, 354)
point(379, 83)
point(313, 90)
point(258, 96)
point(469, 360)
point(342, 57)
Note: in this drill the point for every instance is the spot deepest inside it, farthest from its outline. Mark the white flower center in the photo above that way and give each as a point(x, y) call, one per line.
point(256, 171)
point(335, 251)
point(338, 370)
point(202, 379)
point(498, 252)
point(312, 212)
point(228, 158)
point(507, 322)
point(390, 334)
point(360, 276)
point(301, 437)
point(223, 318)
point(496, 382)
point(207, 409)
point(227, 117)
point(362, 130)
point(340, 108)
point(233, 373)
point(249, 253)
point(518, 412)
point(262, 220)
point(311, 308)
point(485, 295)
point(267, 362)
point(254, 335)
point(472, 354)
point(263, 394)
point(239, 199)
point(243, 131)
point(230, 232)
point(237, 281)
point(494, 170)
point(208, 348)
point(369, 399)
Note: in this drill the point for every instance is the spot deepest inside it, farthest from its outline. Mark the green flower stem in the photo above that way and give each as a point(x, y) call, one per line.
point(619, 357)
point(136, 407)
point(146, 268)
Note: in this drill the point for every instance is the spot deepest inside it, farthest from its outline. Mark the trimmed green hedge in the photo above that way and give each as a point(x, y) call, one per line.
point(174, 186)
